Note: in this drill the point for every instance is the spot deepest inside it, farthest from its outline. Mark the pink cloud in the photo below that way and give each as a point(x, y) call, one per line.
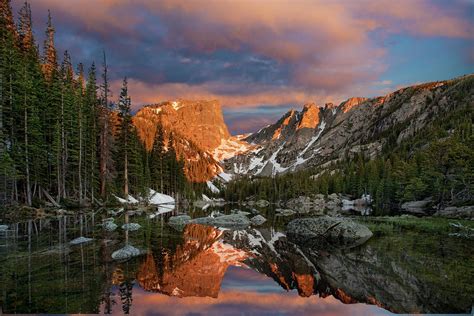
point(326, 45)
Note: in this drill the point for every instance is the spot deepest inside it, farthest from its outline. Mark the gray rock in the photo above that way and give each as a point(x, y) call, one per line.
point(334, 230)
point(254, 211)
point(299, 201)
point(416, 207)
point(3, 227)
point(464, 212)
point(262, 203)
point(233, 221)
point(258, 220)
point(179, 222)
point(110, 226)
point(131, 226)
point(80, 240)
point(126, 252)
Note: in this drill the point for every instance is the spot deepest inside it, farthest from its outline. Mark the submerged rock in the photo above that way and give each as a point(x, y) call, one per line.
point(126, 252)
point(131, 227)
point(179, 222)
point(258, 220)
point(233, 221)
point(334, 230)
point(80, 240)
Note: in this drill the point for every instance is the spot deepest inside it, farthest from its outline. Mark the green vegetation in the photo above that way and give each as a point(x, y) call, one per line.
point(436, 162)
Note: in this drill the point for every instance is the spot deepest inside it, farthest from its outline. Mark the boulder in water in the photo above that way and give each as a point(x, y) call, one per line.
point(333, 230)
point(110, 226)
point(258, 220)
point(80, 240)
point(232, 221)
point(126, 252)
point(178, 222)
point(417, 207)
point(131, 227)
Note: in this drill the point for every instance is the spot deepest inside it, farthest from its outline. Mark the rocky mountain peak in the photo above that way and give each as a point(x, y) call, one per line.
point(198, 127)
point(356, 125)
point(350, 103)
point(309, 116)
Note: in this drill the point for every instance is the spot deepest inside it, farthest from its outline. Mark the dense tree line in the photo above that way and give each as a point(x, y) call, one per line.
point(62, 137)
point(436, 163)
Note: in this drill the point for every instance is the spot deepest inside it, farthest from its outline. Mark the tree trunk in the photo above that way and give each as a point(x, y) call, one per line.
point(63, 148)
point(103, 154)
point(125, 189)
point(27, 158)
point(80, 154)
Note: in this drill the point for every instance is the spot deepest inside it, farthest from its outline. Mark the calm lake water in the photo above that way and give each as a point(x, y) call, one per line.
point(207, 271)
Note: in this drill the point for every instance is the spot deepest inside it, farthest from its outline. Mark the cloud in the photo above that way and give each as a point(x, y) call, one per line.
point(249, 53)
point(144, 93)
point(246, 301)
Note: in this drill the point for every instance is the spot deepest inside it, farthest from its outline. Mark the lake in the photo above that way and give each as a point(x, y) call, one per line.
point(208, 271)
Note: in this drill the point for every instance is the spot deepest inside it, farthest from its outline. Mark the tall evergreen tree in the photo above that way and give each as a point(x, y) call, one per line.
point(105, 133)
point(91, 113)
point(50, 63)
point(124, 137)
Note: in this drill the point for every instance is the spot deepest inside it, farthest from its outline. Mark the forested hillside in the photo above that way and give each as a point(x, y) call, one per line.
point(63, 137)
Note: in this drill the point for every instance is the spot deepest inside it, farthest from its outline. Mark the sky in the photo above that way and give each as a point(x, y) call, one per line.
point(260, 58)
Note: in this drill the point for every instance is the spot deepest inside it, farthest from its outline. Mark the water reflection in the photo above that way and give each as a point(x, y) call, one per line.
point(205, 270)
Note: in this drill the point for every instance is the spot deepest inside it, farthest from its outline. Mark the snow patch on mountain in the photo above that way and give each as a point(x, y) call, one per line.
point(176, 105)
point(212, 187)
point(231, 147)
point(321, 128)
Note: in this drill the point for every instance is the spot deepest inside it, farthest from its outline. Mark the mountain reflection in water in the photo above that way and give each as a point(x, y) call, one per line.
point(209, 271)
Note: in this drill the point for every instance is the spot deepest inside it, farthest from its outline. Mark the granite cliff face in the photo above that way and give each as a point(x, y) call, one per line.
point(317, 136)
point(200, 122)
point(199, 131)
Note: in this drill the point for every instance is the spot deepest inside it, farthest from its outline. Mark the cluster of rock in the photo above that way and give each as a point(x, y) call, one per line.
point(428, 208)
point(333, 202)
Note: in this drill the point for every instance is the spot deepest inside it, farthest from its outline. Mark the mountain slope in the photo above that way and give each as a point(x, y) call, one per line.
point(200, 134)
point(319, 135)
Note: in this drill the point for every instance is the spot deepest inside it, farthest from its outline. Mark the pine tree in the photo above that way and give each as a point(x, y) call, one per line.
point(80, 98)
point(105, 134)
point(8, 62)
point(124, 137)
point(91, 112)
point(50, 64)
